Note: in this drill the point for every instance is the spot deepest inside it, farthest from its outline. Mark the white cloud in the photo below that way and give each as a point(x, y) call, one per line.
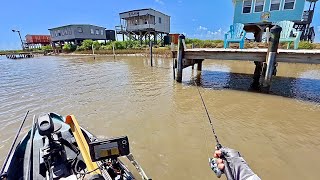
point(159, 2)
point(202, 28)
point(193, 20)
point(204, 33)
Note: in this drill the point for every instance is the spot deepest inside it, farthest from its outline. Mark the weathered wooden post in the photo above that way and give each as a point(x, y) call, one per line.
point(271, 56)
point(257, 74)
point(199, 66)
point(173, 61)
point(192, 47)
point(114, 54)
point(92, 46)
point(180, 57)
point(151, 44)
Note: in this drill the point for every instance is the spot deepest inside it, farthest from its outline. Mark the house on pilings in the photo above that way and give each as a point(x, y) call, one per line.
point(257, 15)
point(144, 25)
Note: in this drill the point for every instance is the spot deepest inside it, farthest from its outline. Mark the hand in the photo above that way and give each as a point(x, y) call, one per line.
point(217, 154)
point(238, 166)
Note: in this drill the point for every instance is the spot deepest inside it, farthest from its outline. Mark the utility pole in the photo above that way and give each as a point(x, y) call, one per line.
point(22, 45)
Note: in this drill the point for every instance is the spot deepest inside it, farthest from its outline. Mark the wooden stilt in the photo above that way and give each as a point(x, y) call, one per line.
point(199, 66)
point(257, 75)
point(271, 56)
point(180, 58)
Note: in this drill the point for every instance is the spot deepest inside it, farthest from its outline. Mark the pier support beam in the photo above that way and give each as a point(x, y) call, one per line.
point(180, 57)
point(199, 66)
point(257, 75)
point(271, 56)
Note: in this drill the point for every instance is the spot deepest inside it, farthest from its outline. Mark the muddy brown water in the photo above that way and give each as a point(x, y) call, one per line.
point(277, 133)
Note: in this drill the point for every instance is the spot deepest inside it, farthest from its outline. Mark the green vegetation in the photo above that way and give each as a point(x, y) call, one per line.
point(69, 47)
point(47, 48)
point(198, 43)
point(86, 45)
point(306, 45)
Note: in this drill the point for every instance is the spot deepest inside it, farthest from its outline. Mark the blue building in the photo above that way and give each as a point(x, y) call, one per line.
point(257, 15)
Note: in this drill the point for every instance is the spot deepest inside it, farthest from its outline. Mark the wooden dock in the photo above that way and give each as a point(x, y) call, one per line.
point(266, 62)
point(20, 55)
point(284, 55)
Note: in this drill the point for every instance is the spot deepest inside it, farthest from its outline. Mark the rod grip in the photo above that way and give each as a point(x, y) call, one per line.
point(227, 170)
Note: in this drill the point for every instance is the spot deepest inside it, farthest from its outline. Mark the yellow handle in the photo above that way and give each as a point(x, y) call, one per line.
point(82, 144)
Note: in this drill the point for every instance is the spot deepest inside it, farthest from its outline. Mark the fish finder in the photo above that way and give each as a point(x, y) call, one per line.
point(110, 148)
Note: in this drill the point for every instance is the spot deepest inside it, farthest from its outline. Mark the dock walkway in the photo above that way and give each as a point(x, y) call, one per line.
point(20, 55)
point(284, 55)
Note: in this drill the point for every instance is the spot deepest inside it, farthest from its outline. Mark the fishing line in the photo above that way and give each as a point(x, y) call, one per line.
point(227, 170)
point(208, 115)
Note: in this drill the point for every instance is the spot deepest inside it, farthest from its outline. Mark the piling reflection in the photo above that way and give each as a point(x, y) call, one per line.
point(305, 87)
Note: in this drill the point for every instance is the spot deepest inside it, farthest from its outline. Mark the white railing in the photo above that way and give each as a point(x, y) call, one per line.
point(139, 27)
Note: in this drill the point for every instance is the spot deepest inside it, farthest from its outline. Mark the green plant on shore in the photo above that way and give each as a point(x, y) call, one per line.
point(85, 45)
point(46, 48)
point(69, 47)
point(306, 45)
point(96, 45)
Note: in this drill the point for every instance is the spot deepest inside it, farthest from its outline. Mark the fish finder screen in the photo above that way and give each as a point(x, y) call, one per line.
point(110, 148)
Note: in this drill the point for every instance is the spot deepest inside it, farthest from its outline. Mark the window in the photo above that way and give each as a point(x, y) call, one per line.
point(275, 5)
point(101, 31)
point(64, 32)
point(160, 20)
point(289, 4)
point(59, 33)
point(92, 31)
point(247, 6)
point(258, 7)
point(97, 32)
point(69, 31)
point(80, 29)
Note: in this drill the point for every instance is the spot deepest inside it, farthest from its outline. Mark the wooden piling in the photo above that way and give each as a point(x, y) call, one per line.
point(199, 66)
point(180, 57)
point(257, 75)
point(271, 56)
point(192, 47)
point(151, 44)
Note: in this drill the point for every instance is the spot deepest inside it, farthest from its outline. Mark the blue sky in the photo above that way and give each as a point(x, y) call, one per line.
point(204, 19)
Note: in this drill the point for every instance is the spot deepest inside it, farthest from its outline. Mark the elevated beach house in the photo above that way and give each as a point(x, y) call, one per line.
point(76, 33)
point(144, 24)
point(256, 15)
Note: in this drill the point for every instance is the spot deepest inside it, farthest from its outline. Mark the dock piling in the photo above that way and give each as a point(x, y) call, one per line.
point(271, 56)
point(151, 44)
point(114, 54)
point(257, 75)
point(180, 57)
point(199, 66)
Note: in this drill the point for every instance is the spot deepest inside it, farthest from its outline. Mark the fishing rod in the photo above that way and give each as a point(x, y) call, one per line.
point(13, 143)
point(227, 170)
